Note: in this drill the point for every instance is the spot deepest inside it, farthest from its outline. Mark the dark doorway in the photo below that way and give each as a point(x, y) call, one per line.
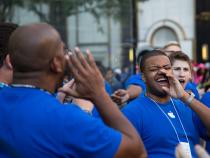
point(202, 29)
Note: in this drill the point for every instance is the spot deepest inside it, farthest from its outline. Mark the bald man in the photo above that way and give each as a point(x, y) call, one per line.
point(35, 124)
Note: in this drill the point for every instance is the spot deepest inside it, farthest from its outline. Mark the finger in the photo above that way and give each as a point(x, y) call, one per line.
point(77, 64)
point(90, 59)
point(81, 58)
point(121, 92)
point(69, 84)
point(124, 100)
point(172, 78)
point(92, 64)
point(70, 92)
point(76, 68)
point(61, 96)
point(116, 97)
point(70, 65)
point(201, 152)
point(117, 92)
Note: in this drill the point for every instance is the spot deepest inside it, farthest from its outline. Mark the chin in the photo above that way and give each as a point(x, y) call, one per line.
point(162, 94)
point(159, 93)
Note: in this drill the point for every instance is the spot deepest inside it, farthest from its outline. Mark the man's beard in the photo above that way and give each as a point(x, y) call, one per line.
point(161, 94)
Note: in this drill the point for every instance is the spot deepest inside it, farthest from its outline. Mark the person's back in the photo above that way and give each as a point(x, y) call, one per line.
point(36, 124)
point(39, 126)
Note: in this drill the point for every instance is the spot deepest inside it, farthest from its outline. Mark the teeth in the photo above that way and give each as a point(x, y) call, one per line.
point(161, 79)
point(181, 80)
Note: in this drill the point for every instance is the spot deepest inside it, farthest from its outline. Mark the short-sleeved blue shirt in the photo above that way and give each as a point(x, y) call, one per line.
point(206, 100)
point(35, 124)
point(192, 87)
point(156, 131)
point(136, 80)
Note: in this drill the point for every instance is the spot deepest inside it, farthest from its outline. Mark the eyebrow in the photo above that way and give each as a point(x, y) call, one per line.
point(160, 66)
point(180, 67)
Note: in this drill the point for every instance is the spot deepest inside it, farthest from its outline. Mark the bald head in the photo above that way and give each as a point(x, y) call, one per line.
point(32, 47)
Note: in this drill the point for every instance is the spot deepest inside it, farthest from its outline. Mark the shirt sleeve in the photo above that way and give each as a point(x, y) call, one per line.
point(136, 80)
point(192, 87)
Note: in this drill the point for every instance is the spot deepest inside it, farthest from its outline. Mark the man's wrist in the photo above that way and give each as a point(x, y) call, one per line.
point(98, 97)
point(128, 95)
point(188, 97)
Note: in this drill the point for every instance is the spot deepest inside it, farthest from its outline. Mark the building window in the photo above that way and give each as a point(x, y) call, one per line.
point(162, 36)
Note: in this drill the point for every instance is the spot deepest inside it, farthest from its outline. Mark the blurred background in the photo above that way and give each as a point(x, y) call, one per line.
point(116, 31)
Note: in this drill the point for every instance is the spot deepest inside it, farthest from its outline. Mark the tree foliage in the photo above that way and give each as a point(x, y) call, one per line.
point(7, 8)
point(59, 10)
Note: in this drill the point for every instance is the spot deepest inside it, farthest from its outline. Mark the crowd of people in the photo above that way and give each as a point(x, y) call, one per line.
point(60, 103)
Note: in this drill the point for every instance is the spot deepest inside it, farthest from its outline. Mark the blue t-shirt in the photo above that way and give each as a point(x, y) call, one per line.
point(35, 124)
point(136, 80)
point(155, 129)
point(206, 100)
point(192, 87)
point(95, 112)
point(108, 88)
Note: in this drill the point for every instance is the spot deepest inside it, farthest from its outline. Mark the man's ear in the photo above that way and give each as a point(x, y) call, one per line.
point(8, 62)
point(56, 65)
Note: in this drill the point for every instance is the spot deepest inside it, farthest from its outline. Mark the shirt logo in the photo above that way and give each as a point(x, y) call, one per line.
point(171, 115)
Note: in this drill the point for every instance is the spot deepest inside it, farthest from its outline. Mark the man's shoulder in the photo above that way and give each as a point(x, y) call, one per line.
point(138, 103)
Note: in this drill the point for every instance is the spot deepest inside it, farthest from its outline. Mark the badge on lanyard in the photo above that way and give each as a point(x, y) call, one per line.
point(186, 149)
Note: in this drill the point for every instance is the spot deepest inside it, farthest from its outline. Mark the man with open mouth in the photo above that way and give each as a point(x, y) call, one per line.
point(166, 115)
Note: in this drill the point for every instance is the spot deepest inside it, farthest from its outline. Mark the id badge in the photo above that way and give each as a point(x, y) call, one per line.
point(186, 149)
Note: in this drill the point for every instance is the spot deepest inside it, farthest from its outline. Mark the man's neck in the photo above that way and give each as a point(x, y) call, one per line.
point(158, 99)
point(40, 82)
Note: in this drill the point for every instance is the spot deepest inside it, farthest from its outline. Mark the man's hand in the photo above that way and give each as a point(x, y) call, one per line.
point(175, 88)
point(120, 96)
point(88, 79)
point(61, 95)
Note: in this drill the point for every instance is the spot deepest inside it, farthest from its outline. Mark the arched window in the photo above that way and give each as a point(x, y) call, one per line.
point(162, 36)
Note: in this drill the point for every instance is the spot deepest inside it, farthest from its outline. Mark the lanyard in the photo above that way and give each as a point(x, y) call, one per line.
point(3, 85)
point(170, 120)
point(30, 86)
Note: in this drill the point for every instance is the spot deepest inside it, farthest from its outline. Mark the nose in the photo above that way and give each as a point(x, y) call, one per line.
point(162, 71)
point(181, 73)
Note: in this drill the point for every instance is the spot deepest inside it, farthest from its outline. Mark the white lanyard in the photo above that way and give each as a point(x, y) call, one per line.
point(170, 120)
point(30, 86)
point(3, 85)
